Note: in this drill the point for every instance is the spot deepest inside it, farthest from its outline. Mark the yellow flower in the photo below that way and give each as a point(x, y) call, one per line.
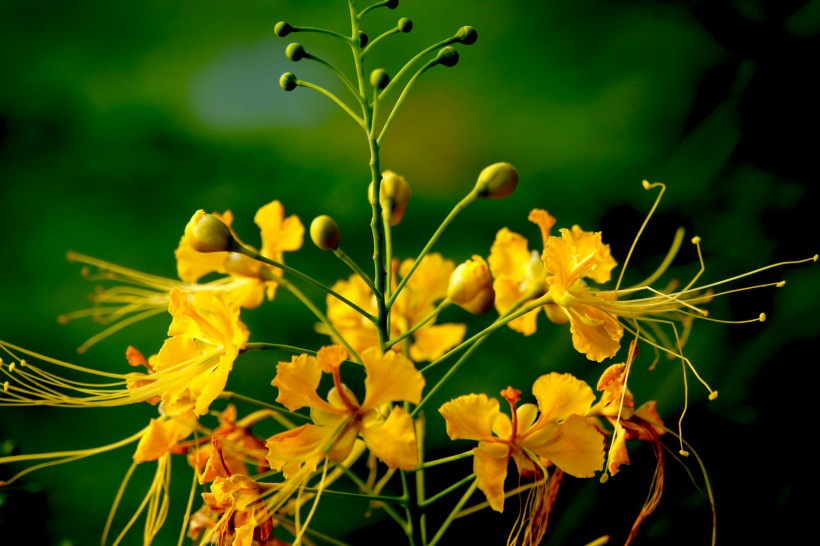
point(518, 273)
point(339, 420)
point(427, 285)
point(571, 259)
point(278, 234)
point(192, 366)
point(559, 435)
point(244, 514)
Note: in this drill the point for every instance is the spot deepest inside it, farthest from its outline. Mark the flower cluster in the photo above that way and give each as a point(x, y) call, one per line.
point(347, 418)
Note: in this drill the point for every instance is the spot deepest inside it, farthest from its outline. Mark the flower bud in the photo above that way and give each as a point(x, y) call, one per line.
point(379, 78)
point(448, 56)
point(395, 193)
point(496, 181)
point(324, 232)
point(295, 52)
point(392, 4)
point(471, 286)
point(288, 81)
point(467, 35)
point(363, 39)
point(405, 25)
point(282, 29)
point(207, 233)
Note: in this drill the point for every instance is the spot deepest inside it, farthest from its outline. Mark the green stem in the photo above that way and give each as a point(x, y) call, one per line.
point(441, 306)
point(344, 79)
point(490, 329)
point(414, 60)
point(377, 39)
point(453, 213)
point(456, 509)
point(444, 460)
point(230, 395)
point(447, 491)
point(323, 31)
point(339, 253)
point(368, 496)
point(334, 98)
point(271, 276)
point(431, 63)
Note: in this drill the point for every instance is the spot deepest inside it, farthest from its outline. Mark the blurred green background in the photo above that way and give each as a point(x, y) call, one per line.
point(119, 120)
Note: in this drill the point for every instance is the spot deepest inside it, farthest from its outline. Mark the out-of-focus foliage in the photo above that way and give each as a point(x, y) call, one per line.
point(118, 120)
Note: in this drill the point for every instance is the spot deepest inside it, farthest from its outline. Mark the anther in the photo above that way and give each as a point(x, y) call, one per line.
point(467, 35)
point(288, 81)
point(683, 452)
point(646, 185)
point(781, 284)
point(295, 52)
point(695, 240)
point(11, 367)
point(405, 25)
point(762, 317)
point(6, 386)
point(282, 29)
point(713, 395)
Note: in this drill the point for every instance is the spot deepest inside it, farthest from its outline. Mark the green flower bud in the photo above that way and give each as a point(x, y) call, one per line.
point(207, 233)
point(467, 35)
point(379, 78)
point(392, 4)
point(295, 52)
point(287, 81)
point(282, 29)
point(448, 56)
point(405, 25)
point(324, 232)
point(496, 181)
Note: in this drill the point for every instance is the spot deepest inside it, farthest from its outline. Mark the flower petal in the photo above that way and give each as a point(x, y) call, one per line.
point(390, 378)
point(470, 417)
point(297, 382)
point(394, 440)
point(491, 471)
point(560, 395)
point(577, 447)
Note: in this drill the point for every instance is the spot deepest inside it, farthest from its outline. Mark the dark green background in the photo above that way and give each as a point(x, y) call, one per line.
point(119, 120)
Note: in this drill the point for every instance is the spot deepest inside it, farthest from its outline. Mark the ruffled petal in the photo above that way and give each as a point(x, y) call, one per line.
point(394, 441)
point(297, 382)
point(577, 447)
point(470, 417)
point(430, 342)
point(560, 395)
point(390, 378)
point(594, 333)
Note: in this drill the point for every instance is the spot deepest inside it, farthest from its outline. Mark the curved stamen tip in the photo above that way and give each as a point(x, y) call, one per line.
point(6, 386)
point(604, 477)
point(71, 256)
point(762, 317)
point(683, 453)
point(713, 395)
point(814, 257)
point(646, 185)
point(696, 240)
point(781, 284)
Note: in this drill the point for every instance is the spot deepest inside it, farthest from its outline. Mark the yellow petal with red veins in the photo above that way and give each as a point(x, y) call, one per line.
point(390, 378)
point(470, 417)
point(394, 441)
point(305, 446)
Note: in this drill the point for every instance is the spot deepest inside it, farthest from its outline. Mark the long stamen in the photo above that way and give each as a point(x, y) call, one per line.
point(646, 186)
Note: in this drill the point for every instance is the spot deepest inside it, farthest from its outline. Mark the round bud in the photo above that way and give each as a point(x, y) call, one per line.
point(379, 78)
point(288, 81)
point(471, 286)
point(392, 4)
point(324, 232)
point(207, 233)
point(363, 39)
point(496, 181)
point(448, 56)
point(282, 29)
point(405, 25)
point(467, 35)
point(295, 52)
